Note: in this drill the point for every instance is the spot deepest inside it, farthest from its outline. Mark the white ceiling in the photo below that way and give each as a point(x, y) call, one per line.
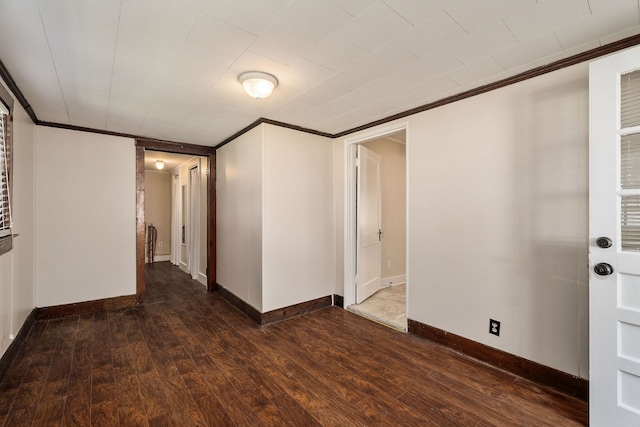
point(171, 160)
point(168, 69)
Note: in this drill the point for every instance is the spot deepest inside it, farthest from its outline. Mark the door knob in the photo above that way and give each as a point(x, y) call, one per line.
point(604, 242)
point(603, 269)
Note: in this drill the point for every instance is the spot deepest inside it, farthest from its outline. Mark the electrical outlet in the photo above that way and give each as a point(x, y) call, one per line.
point(388, 263)
point(494, 327)
point(159, 244)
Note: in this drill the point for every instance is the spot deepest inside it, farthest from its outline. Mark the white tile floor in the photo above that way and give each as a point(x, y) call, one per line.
point(387, 306)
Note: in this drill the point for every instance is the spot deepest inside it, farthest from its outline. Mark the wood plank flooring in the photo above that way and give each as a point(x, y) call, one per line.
point(188, 358)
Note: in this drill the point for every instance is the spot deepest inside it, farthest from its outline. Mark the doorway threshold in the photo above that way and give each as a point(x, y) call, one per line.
point(387, 307)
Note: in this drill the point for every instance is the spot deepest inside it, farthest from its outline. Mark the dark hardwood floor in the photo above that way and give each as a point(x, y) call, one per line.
point(188, 358)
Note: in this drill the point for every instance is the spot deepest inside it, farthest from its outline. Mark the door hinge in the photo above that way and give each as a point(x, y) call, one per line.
point(357, 162)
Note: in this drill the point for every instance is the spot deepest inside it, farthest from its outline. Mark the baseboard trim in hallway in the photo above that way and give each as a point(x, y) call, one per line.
point(239, 303)
point(296, 310)
point(540, 374)
point(338, 300)
point(115, 303)
point(278, 314)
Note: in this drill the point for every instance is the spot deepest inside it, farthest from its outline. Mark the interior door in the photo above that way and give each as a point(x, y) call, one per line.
point(369, 234)
point(193, 250)
point(614, 240)
point(175, 219)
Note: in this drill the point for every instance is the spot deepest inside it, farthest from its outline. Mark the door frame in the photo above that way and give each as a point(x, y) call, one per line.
point(172, 147)
point(350, 194)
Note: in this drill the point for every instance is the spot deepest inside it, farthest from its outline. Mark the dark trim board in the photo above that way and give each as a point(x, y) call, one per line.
point(13, 87)
point(149, 140)
point(540, 374)
point(535, 72)
point(239, 133)
point(296, 310)
point(538, 71)
point(12, 351)
point(174, 147)
point(526, 75)
point(238, 303)
point(6, 98)
point(115, 303)
point(274, 315)
point(338, 300)
point(262, 120)
point(296, 127)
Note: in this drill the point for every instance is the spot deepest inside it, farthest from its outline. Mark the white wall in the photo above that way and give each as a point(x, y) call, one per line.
point(498, 218)
point(276, 240)
point(298, 241)
point(16, 266)
point(84, 216)
point(239, 217)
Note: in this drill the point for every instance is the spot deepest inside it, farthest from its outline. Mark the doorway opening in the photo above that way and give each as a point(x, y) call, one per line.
point(175, 210)
point(376, 226)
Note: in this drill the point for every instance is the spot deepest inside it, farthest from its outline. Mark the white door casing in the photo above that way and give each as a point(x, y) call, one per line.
point(350, 195)
point(369, 236)
point(614, 299)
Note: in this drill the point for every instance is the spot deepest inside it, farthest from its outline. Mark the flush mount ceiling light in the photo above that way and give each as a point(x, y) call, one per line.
point(257, 84)
point(159, 164)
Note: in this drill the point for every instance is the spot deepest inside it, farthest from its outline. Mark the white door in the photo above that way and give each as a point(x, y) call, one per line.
point(175, 219)
point(614, 211)
point(369, 234)
point(193, 254)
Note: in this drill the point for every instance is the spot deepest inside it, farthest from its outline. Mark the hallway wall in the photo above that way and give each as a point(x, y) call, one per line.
point(85, 218)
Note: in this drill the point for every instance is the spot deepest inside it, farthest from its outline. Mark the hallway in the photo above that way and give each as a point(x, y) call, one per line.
point(189, 358)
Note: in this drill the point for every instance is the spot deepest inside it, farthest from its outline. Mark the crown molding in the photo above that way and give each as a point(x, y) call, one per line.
point(535, 72)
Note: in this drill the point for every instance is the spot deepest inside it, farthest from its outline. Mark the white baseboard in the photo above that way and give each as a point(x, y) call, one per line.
point(184, 267)
point(393, 280)
point(202, 278)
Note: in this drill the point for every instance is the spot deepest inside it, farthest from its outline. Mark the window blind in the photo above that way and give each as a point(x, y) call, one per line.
point(630, 224)
point(630, 162)
point(630, 99)
point(5, 188)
